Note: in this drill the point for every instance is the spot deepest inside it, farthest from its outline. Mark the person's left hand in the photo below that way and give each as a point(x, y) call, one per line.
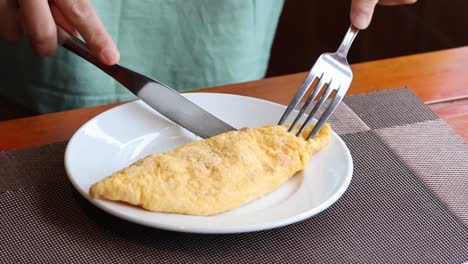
point(38, 18)
point(362, 10)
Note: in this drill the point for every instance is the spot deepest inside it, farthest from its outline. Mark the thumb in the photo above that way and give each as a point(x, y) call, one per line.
point(361, 12)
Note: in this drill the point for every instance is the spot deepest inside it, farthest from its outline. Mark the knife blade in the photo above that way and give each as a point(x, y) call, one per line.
point(154, 93)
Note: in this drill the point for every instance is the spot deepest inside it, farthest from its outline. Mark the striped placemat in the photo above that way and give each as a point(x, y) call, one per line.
point(407, 202)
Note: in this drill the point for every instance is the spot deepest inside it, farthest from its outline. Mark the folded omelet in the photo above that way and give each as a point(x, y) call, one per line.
point(214, 175)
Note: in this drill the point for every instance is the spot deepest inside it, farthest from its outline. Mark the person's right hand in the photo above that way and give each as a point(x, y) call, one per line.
point(362, 10)
point(37, 19)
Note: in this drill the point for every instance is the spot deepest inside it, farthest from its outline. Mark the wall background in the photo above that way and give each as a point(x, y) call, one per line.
point(308, 28)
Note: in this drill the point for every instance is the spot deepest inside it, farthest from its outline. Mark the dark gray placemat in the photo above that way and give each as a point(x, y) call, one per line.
point(390, 213)
point(389, 108)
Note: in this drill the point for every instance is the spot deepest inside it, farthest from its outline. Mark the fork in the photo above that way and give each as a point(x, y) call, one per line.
point(331, 70)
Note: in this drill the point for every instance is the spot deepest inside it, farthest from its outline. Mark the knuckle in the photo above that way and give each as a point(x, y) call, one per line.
point(365, 4)
point(9, 37)
point(15, 37)
point(44, 39)
point(12, 35)
point(44, 49)
point(80, 9)
point(98, 40)
point(397, 2)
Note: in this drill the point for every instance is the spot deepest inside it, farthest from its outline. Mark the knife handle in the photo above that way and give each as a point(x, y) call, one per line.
point(128, 78)
point(157, 95)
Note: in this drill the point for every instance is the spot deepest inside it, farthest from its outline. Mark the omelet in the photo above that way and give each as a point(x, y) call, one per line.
point(214, 175)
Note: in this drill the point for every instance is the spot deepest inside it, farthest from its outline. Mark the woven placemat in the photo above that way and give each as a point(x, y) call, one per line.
point(407, 202)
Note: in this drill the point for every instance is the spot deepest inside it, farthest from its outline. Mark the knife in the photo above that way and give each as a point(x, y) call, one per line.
point(154, 93)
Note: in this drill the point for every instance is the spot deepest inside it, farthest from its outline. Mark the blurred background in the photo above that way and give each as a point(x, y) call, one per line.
point(308, 28)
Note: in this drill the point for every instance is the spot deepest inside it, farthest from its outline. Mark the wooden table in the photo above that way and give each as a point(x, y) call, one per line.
point(439, 78)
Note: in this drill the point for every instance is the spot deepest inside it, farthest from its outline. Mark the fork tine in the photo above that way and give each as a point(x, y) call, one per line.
point(317, 89)
point(340, 92)
point(297, 98)
point(324, 97)
point(332, 64)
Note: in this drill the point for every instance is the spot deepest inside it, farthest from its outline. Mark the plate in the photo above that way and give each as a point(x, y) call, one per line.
point(129, 132)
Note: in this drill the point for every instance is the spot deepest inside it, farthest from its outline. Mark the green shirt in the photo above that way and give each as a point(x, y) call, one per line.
point(186, 44)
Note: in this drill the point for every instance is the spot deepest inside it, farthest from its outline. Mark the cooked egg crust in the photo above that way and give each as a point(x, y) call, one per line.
point(214, 175)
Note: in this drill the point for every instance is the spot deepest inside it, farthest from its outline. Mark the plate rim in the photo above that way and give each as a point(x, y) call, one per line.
point(279, 222)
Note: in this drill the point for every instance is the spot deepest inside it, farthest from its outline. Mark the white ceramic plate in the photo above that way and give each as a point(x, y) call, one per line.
point(127, 133)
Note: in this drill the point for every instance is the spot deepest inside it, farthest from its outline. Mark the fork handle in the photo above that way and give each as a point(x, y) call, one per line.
point(347, 41)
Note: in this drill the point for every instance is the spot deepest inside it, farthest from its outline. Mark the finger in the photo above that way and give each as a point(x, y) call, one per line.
point(396, 2)
point(361, 12)
point(81, 14)
point(39, 25)
point(10, 26)
point(62, 21)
